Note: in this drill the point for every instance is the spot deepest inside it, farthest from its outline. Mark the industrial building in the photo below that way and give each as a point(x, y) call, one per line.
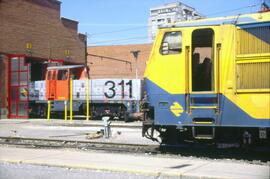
point(118, 61)
point(169, 13)
point(32, 33)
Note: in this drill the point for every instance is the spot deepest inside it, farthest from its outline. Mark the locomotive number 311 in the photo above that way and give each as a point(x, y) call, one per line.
point(112, 88)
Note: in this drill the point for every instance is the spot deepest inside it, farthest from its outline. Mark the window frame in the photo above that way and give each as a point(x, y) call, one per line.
point(62, 75)
point(162, 42)
point(49, 75)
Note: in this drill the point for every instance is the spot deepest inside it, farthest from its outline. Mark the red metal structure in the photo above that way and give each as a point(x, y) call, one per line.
point(18, 98)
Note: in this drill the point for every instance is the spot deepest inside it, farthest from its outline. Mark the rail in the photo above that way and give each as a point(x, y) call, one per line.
point(90, 145)
point(256, 156)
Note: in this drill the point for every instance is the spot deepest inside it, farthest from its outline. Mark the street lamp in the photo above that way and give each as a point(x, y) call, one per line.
point(135, 54)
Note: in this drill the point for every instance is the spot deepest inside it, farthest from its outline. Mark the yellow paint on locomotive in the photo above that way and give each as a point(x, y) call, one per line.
point(169, 71)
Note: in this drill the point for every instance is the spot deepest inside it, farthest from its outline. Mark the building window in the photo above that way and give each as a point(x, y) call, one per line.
point(171, 43)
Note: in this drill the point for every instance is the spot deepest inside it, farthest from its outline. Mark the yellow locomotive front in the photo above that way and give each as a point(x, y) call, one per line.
point(209, 80)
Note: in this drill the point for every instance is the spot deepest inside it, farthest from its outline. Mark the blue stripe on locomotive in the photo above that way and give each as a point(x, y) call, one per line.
point(230, 114)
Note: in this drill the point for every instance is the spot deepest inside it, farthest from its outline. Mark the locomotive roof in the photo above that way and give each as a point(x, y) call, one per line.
point(236, 20)
point(64, 67)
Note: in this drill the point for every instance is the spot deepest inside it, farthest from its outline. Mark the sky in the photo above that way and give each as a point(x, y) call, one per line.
point(114, 22)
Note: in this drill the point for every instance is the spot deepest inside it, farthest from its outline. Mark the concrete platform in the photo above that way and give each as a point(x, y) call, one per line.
point(132, 166)
point(76, 130)
point(73, 123)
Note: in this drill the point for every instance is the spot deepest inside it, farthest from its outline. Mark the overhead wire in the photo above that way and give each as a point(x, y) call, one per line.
point(128, 29)
point(117, 31)
point(117, 40)
point(134, 38)
point(232, 10)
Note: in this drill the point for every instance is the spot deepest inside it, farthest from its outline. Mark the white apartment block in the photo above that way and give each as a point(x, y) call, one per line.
point(167, 14)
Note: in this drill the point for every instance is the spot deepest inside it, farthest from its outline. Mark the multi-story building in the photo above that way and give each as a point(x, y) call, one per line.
point(169, 13)
point(31, 33)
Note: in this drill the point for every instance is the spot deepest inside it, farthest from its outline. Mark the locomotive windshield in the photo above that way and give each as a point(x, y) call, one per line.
point(172, 43)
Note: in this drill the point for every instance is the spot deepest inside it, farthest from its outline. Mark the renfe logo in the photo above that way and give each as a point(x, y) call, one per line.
point(176, 109)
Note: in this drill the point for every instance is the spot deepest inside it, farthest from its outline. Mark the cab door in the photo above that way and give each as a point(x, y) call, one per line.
point(51, 84)
point(203, 77)
point(62, 84)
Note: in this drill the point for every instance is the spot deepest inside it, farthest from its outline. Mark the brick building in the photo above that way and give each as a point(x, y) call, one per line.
point(31, 33)
point(117, 61)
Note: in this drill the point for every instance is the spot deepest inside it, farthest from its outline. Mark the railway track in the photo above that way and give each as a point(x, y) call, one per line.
point(255, 156)
point(75, 123)
point(113, 125)
point(84, 145)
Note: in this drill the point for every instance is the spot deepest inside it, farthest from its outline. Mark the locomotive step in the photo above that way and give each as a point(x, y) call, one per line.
point(203, 133)
point(209, 137)
point(203, 107)
point(206, 120)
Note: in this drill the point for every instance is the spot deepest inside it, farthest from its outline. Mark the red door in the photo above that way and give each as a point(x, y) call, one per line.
point(18, 77)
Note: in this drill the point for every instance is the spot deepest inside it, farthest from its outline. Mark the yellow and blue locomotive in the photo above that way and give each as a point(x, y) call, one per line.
point(209, 80)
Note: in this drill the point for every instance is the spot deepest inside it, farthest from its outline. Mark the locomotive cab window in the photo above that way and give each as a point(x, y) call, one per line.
point(171, 43)
point(49, 75)
point(53, 75)
point(62, 75)
point(75, 73)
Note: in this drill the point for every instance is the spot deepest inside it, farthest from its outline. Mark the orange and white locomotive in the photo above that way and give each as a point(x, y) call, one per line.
point(118, 98)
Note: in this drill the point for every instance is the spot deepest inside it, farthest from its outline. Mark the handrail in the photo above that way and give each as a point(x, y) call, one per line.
point(218, 77)
point(187, 53)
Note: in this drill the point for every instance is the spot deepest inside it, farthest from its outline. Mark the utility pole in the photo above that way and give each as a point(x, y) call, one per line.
point(86, 55)
point(135, 55)
point(88, 78)
point(85, 49)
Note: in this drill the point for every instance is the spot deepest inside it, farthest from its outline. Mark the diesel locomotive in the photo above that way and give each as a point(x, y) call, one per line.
point(208, 80)
point(117, 98)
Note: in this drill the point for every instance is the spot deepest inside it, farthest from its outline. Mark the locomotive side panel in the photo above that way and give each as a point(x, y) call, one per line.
point(165, 76)
point(231, 102)
point(247, 86)
point(37, 91)
point(108, 89)
point(119, 98)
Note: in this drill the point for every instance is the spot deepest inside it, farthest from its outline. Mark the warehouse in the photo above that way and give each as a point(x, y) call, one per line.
point(118, 61)
point(32, 33)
